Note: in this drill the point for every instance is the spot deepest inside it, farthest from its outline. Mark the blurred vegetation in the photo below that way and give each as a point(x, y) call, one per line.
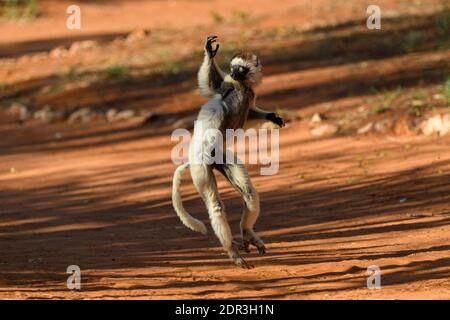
point(241, 16)
point(447, 89)
point(116, 72)
point(217, 17)
point(283, 49)
point(442, 22)
point(19, 9)
point(383, 100)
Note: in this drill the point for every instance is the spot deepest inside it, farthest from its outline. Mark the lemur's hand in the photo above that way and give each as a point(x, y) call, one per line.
point(208, 46)
point(276, 119)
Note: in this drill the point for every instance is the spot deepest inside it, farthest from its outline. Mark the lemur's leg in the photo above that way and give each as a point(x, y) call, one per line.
point(238, 177)
point(205, 182)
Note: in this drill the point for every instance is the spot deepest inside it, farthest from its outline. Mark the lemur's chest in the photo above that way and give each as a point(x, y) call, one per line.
point(236, 101)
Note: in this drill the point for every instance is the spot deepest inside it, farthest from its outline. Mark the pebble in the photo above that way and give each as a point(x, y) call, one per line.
point(325, 130)
point(438, 124)
point(317, 118)
point(365, 129)
point(81, 115)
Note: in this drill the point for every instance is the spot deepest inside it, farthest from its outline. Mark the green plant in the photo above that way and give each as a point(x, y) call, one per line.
point(229, 48)
point(442, 22)
point(31, 10)
point(385, 99)
point(241, 16)
point(10, 10)
point(420, 95)
point(164, 53)
point(217, 17)
point(3, 86)
point(16, 9)
point(57, 88)
point(173, 67)
point(115, 72)
point(411, 40)
point(381, 109)
point(72, 71)
point(176, 66)
point(414, 111)
point(446, 90)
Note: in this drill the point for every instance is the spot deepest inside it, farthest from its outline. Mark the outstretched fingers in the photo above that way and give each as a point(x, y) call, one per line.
point(275, 118)
point(208, 46)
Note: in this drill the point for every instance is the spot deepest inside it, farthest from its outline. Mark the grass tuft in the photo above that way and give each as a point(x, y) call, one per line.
point(241, 16)
point(442, 22)
point(116, 72)
point(217, 17)
point(385, 99)
point(446, 90)
point(19, 10)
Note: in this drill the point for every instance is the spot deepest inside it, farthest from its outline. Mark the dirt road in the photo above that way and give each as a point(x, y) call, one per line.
point(97, 194)
point(104, 205)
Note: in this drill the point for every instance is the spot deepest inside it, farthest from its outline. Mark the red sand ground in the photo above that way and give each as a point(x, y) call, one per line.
point(105, 206)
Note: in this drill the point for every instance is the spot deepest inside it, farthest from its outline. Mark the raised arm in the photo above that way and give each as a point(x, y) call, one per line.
point(210, 76)
point(257, 113)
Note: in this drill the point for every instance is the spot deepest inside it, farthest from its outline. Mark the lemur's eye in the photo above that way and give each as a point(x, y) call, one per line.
point(241, 69)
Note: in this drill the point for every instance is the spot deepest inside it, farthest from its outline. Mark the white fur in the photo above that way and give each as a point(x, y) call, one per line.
point(203, 76)
point(238, 61)
point(210, 117)
point(186, 218)
point(206, 134)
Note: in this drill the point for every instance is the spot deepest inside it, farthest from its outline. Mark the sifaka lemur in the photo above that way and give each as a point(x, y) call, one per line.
point(232, 102)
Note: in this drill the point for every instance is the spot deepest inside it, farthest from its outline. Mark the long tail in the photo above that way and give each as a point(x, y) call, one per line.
point(186, 218)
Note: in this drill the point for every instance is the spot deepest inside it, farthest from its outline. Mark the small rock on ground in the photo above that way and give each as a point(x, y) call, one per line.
point(327, 129)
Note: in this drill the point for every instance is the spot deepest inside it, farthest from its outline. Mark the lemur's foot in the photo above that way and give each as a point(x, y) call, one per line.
point(208, 46)
point(275, 118)
point(261, 249)
point(251, 238)
point(238, 260)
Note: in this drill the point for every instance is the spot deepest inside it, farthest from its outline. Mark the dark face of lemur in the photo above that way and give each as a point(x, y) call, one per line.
point(246, 68)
